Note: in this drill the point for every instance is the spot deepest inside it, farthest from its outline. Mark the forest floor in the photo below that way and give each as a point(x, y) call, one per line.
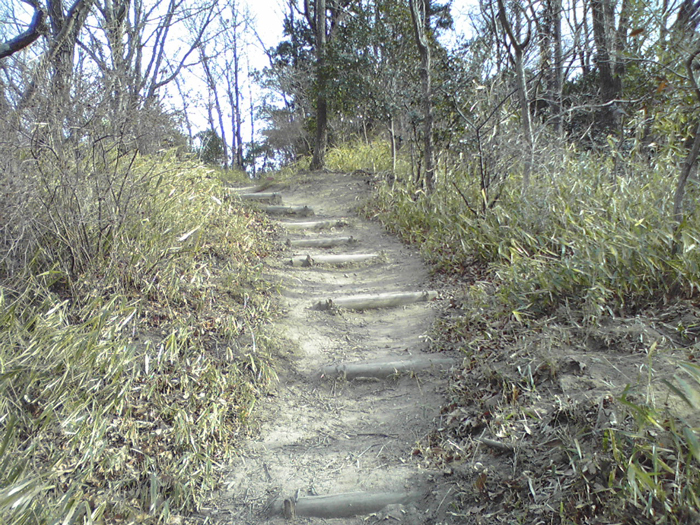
point(508, 430)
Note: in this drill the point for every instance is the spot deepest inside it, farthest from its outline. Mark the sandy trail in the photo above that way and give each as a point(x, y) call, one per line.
point(322, 438)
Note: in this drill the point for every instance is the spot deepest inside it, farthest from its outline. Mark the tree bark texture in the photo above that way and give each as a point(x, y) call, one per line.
point(552, 59)
point(419, 16)
point(606, 81)
point(319, 158)
point(301, 211)
point(305, 261)
point(321, 242)
point(690, 159)
point(386, 368)
point(342, 505)
point(26, 38)
point(314, 225)
point(382, 300)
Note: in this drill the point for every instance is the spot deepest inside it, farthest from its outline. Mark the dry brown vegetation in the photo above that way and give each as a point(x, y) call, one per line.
point(132, 348)
point(577, 398)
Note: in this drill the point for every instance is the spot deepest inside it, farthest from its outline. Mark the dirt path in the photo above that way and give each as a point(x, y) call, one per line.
point(333, 447)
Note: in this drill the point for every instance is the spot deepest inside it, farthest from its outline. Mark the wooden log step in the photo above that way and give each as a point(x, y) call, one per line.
point(384, 368)
point(382, 300)
point(245, 189)
point(343, 505)
point(314, 225)
point(302, 211)
point(308, 260)
point(321, 242)
point(271, 197)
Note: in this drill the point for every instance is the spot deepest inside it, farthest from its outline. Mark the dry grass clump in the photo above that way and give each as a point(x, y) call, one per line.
point(131, 349)
point(579, 236)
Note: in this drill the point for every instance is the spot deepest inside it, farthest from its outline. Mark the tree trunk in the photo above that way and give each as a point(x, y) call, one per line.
point(553, 61)
point(419, 16)
point(581, 36)
point(606, 81)
point(524, 117)
point(621, 45)
point(213, 91)
point(519, 48)
point(319, 157)
point(301, 211)
point(238, 150)
point(64, 29)
point(382, 369)
point(321, 242)
point(333, 260)
point(381, 300)
point(268, 197)
point(688, 164)
point(392, 136)
point(314, 225)
point(251, 107)
point(341, 505)
point(690, 159)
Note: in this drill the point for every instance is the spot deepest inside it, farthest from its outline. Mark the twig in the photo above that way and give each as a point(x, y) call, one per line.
point(496, 444)
point(464, 198)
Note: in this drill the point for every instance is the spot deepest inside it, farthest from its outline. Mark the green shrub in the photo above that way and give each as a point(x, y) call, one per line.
point(577, 237)
point(373, 157)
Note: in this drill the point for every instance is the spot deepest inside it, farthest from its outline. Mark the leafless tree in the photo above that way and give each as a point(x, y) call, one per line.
point(27, 37)
point(519, 45)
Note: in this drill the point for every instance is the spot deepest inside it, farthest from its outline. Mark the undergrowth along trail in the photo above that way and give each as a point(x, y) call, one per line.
point(125, 386)
point(575, 306)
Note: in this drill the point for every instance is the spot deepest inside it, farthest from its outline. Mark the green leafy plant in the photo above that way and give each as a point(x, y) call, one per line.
point(580, 236)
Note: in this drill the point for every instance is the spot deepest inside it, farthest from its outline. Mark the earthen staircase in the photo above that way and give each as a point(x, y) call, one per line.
point(343, 444)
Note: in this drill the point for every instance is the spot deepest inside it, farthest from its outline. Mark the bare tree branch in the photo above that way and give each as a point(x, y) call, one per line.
point(25, 39)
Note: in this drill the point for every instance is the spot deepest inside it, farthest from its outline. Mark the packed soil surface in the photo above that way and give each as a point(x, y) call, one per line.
point(354, 441)
point(452, 416)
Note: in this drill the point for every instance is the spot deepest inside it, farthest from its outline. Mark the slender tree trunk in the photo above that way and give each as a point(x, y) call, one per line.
point(220, 117)
point(557, 68)
point(524, 117)
point(688, 164)
point(605, 71)
point(238, 152)
point(392, 135)
point(214, 92)
point(690, 159)
point(319, 158)
point(419, 15)
point(232, 101)
point(519, 48)
point(251, 107)
point(621, 44)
